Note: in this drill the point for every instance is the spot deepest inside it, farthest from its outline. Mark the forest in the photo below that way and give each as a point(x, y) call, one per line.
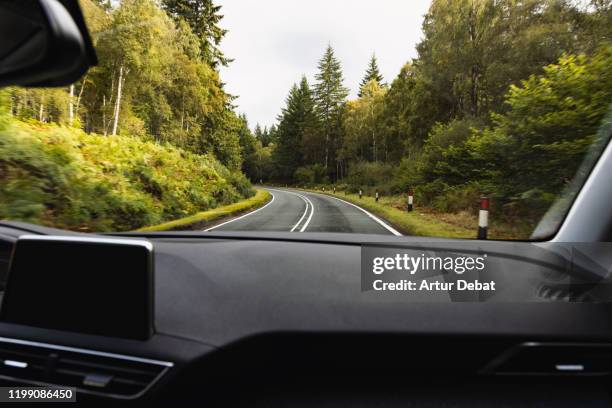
point(147, 136)
point(504, 98)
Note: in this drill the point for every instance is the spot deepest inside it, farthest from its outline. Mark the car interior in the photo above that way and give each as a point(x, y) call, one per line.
point(263, 318)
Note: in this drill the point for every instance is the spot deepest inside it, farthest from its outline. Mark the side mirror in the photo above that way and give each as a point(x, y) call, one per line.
point(43, 43)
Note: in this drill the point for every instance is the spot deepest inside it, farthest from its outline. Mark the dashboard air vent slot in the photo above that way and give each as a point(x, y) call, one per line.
point(24, 363)
point(89, 371)
point(553, 359)
point(99, 374)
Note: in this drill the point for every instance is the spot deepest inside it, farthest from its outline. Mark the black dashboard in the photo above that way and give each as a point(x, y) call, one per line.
point(280, 320)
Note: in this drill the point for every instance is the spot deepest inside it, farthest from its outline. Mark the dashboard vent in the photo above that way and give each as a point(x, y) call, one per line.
point(534, 358)
point(89, 371)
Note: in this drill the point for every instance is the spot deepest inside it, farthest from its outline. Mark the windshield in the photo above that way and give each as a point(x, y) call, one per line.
point(443, 118)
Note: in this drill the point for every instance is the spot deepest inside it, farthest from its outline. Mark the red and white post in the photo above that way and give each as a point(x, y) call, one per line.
point(410, 200)
point(483, 218)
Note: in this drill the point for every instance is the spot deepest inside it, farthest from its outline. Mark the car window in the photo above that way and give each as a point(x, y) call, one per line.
point(445, 118)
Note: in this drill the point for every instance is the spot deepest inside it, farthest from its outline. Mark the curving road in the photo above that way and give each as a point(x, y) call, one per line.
point(298, 211)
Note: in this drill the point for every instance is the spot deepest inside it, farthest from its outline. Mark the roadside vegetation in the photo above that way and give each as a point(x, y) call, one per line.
point(505, 99)
point(64, 177)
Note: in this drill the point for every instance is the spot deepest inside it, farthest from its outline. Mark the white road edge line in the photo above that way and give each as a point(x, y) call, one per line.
point(307, 200)
point(303, 215)
point(369, 214)
point(242, 216)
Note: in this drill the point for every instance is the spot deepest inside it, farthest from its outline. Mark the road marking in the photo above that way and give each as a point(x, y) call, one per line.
point(307, 200)
point(303, 215)
point(369, 214)
point(311, 212)
point(242, 216)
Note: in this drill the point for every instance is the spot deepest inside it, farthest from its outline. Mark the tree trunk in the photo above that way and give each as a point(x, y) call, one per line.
point(40, 111)
point(474, 91)
point(78, 101)
point(474, 69)
point(104, 114)
point(326, 147)
point(374, 147)
point(71, 106)
point(107, 123)
point(118, 102)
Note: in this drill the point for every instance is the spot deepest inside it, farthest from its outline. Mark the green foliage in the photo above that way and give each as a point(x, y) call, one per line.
point(220, 135)
point(445, 156)
point(531, 152)
point(370, 176)
point(312, 174)
point(550, 123)
point(473, 50)
point(69, 179)
point(401, 125)
point(203, 16)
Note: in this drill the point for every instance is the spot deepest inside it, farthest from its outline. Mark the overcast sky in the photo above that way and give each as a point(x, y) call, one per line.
point(274, 42)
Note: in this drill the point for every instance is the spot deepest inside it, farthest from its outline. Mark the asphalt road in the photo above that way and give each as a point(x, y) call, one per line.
point(298, 211)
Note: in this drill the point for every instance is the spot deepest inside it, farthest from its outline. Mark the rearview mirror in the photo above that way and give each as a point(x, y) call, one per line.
point(43, 43)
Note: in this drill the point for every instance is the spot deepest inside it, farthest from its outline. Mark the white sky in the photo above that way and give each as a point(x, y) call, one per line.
point(274, 42)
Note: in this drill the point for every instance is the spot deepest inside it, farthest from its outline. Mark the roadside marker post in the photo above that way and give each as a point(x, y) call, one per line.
point(483, 218)
point(334, 189)
point(376, 195)
point(410, 200)
point(360, 192)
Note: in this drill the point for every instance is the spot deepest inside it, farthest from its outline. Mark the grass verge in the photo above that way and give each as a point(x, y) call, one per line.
point(202, 219)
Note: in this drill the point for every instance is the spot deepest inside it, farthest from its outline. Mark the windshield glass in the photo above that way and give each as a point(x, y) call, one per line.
point(444, 118)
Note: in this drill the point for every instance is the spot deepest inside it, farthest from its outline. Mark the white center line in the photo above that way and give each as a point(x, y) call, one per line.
point(307, 201)
point(303, 215)
point(311, 212)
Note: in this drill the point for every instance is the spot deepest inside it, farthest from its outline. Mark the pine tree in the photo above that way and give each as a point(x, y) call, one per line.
point(372, 73)
point(265, 136)
point(258, 133)
point(330, 95)
point(272, 134)
point(203, 16)
point(297, 121)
